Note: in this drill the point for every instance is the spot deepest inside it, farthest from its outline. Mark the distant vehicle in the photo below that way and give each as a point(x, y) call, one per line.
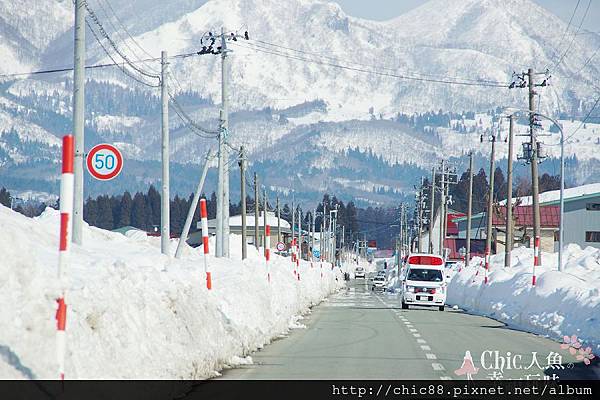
point(359, 272)
point(423, 282)
point(381, 273)
point(379, 283)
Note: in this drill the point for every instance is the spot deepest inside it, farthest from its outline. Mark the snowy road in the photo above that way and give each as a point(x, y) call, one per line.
point(361, 335)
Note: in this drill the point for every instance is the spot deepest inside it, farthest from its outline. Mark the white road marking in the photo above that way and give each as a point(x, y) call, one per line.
point(413, 330)
point(421, 341)
point(437, 367)
point(416, 334)
point(431, 356)
point(446, 378)
point(425, 347)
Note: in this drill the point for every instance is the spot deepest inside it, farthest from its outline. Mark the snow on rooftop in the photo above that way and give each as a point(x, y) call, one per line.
point(554, 195)
point(236, 220)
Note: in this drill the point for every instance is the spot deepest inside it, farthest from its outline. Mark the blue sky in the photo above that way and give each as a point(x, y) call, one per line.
point(387, 9)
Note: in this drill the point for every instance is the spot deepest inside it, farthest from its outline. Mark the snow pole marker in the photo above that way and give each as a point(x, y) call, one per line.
point(294, 255)
point(64, 247)
point(268, 250)
point(204, 220)
point(536, 257)
point(487, 265)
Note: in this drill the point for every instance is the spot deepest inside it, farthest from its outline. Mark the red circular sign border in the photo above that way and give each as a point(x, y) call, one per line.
point(97, 148)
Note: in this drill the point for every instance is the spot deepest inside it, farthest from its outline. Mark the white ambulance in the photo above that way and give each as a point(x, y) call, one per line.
point(423, 281)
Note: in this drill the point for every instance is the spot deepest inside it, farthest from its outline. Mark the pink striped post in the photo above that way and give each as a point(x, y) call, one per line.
point(536, 257)
point(268, 250)
point(204, 220)
point(487, 265)
point(64, 247)
point(294, 255)
point(321, 266)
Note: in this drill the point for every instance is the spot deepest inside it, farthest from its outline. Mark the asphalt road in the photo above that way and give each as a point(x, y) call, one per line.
point(358, 334)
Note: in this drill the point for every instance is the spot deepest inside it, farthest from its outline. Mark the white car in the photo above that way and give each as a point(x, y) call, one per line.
point(379, 283)
point(359, 272)
point(424, 283)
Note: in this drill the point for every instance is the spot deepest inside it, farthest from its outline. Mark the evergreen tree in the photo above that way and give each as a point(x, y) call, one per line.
point(480, 191)
point(139, 217)
point(125, 210)
point(176, 223)
point(548, 182)
point(351, 218)
point(500, 189)
point(153, 206)
point(115, 206)
point(4, 197)
point(211, 206)
point(105, 215)
point(90, 212)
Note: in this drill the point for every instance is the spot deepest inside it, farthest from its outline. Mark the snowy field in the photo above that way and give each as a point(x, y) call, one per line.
point(134, 313)
point(561, 304)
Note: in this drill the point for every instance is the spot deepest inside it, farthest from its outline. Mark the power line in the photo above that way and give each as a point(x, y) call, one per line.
point(103, 32)
point(385, 74)
point(125, 29)
point(121, 67)
point(562, 37)
point(337, 59)
point(570, 45)
point(193, 126)
point(94, 66)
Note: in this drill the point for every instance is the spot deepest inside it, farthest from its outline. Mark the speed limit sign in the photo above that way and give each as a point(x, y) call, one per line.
point(104, 162)
point(280, 246)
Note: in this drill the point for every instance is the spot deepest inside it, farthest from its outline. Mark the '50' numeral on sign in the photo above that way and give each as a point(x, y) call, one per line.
point(104, 161)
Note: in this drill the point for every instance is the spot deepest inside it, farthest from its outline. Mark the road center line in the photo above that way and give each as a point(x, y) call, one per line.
point(437, 367)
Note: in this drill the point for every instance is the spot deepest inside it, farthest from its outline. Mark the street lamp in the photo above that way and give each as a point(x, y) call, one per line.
point(511, 110)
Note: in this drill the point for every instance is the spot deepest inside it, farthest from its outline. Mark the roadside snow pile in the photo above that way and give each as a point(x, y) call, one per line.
point(561, 304)
point(134, 313)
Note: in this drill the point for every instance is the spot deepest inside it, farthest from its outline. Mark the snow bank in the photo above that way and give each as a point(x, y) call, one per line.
point(561, 304)
point(134, 313)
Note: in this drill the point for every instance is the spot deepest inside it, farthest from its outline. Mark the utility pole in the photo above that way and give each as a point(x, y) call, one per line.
point(508, 242)
point(278, 219)
point(535, 190)
point(243, 200)
point(165, 229)
point(532, 155)
point(225, 133)
point(265, 207)
point(256, 203)
point(443, 207)
point(312, 239)
point(431, 210)
point(490, 205)
point(469, 210)
point(193, 207)
point(400, 235)
point(293, 222)
point(78, 119)
point(299, 233)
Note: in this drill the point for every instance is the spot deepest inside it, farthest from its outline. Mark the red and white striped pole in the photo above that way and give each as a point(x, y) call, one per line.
point(204, 220)
point(536, 256)
point(294, 254)
point(487, 265)
point(298, 255)
point(66, 211)
point(268, 250)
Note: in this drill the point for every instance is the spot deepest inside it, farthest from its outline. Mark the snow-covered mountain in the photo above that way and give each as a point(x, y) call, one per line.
point(467, 40)
point(313, 89)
